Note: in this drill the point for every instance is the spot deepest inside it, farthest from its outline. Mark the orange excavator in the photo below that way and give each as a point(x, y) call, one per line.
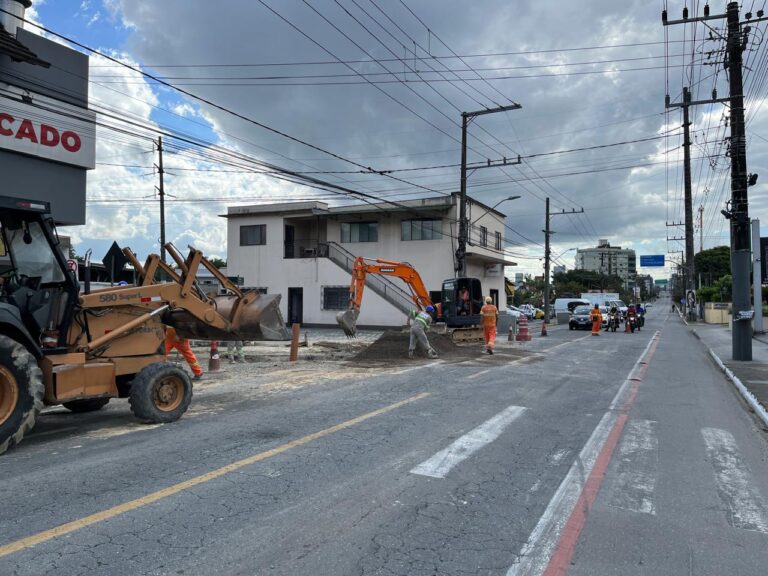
point(364, 266)
point(459, 308)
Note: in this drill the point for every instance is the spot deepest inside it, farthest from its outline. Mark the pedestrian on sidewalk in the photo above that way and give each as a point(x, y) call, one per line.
point(182, 345)
point(597, 320)
point(234, 349)
point(489, 314)
point(420, 321)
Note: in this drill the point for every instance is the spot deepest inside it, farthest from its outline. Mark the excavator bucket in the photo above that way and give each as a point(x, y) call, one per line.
point(259, 320)
point(348, 322)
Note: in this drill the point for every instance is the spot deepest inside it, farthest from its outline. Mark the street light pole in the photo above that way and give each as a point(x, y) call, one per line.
point(493, 208)
point(466, 118)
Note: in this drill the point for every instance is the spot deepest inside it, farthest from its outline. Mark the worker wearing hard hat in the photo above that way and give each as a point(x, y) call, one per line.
point(489, 314)
point(420, 321)
point(182, 345)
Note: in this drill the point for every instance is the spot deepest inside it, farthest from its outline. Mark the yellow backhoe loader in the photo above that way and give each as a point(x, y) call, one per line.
point(59, 345)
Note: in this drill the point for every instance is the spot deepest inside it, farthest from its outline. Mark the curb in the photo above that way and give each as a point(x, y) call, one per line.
point(758, 408)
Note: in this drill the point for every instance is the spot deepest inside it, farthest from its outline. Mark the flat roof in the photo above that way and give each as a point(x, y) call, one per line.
point(321, 208)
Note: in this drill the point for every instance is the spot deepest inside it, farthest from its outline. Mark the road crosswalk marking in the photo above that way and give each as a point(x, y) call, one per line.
point(735, 486)
point(441, 463)
point(634, 486)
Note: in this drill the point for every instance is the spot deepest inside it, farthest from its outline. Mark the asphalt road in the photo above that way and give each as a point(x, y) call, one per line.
point(623, 454)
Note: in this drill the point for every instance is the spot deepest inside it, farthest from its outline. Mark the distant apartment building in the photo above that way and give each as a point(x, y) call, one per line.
point(607, 259)
point(304, 251)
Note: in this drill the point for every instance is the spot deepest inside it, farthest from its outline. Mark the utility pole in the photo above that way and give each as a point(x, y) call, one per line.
point(739, 214)
point(757, 276)
point(161, 191)
point(737, 209)
point(690, 271)
point(701, 228)
point(547, 233)
point(466, 119)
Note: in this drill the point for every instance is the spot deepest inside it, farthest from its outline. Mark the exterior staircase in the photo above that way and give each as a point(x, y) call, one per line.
point(390, 291)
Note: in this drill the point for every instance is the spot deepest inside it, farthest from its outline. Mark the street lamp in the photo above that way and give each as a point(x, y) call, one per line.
point(563, 252)
point(493, 208)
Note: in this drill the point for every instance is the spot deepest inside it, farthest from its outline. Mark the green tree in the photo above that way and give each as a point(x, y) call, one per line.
point(218, 262)
point(713, 264)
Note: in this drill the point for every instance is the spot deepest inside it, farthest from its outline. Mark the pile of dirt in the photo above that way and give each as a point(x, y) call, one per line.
point(393, 345)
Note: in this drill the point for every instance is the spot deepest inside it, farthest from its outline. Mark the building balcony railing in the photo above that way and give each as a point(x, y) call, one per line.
point(305, 249)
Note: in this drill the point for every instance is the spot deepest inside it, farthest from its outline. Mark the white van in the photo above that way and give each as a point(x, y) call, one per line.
point(566, 305)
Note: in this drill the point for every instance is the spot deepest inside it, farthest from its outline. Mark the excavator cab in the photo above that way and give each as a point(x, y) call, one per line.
point(462, 299)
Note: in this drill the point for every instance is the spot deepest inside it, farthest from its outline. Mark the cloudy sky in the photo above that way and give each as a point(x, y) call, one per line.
point(382, 83)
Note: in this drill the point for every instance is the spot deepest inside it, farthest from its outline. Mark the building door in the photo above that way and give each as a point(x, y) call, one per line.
point(495, 297)
point(295, 305)
point(289, 241)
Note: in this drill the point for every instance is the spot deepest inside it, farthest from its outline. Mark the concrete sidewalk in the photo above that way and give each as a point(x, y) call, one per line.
point(752, 375)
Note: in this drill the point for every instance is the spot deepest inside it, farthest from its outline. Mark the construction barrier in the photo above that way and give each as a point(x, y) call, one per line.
point(523, 335)
point(214, 360)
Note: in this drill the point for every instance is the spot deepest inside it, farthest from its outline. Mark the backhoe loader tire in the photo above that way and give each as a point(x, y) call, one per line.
point(160, 392)
point(89, 405)
point(21, 392)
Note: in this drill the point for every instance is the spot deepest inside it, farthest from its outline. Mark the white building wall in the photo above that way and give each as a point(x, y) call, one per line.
point(264, 266)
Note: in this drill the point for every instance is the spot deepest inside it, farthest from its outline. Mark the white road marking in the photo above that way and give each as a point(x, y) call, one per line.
point(535, 554)
point(566, 343)
point(737, 490)
point(636, 472)
point(758, 381)
point(441, 463)
point(478, 374)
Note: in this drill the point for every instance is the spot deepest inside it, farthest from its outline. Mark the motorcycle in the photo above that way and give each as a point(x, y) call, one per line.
point(641, 321)
point(613, 321)
point(633, 324)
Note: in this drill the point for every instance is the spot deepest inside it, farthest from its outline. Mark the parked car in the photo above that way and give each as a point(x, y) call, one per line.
point(581, 318)
point(514, 311)
point(531, 311)
point(538, 313)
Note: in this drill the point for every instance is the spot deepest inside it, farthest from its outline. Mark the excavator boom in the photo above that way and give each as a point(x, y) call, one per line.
point(347, 320)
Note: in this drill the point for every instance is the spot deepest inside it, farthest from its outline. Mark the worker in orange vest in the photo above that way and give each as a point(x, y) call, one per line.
point(489, 314)
point(182, 345)
point(597, 320)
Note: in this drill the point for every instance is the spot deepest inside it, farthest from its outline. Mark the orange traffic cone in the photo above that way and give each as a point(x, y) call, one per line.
point(544, 328)
point(626, 326)
point(214, 362)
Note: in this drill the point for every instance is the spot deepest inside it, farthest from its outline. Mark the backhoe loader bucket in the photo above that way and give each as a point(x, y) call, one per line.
point(348, 322)
point(259, 320)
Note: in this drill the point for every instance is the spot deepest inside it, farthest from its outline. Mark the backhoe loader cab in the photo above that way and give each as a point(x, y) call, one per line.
point(462, 299)
point(59, 345)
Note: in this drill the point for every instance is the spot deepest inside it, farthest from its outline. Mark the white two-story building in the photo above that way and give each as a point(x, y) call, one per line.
point(303, 251)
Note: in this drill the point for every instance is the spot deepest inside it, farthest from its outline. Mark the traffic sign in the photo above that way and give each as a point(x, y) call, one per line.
point(653, 260)
point(661, 282)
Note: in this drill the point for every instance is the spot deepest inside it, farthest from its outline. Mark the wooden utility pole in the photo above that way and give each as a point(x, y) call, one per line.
point(161, 191)
point(701, 228)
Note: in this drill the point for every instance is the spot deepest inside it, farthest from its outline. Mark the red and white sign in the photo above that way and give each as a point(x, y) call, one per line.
point(47, 128)
point(72, 266)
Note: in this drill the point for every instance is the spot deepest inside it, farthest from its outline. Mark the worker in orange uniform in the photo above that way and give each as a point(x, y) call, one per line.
point(489, 314)
point(597, 320)
point(182, 345)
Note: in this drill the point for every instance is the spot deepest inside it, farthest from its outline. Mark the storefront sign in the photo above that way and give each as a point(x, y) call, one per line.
point(47, 128)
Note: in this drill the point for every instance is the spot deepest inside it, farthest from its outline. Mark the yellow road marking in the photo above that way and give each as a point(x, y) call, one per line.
point(86, 521)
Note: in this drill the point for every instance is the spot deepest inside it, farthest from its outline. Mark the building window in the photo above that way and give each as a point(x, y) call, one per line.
point(259, 289)
point(335, 297)
point(254, 235)
point(359, 232)
point(421, 230)
point(483, 236)
point(498, 241)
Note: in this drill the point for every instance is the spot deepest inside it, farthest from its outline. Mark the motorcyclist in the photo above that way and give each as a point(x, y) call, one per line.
point(640, 314)
point(631, 317)
point(613, 317)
